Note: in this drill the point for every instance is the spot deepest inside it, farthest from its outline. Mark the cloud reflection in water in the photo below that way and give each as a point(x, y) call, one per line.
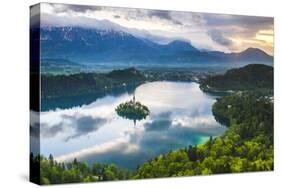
point(180, 116)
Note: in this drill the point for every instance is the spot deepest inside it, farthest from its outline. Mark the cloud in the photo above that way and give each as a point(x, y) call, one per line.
point(235, 25)
point(165, 15)
point(157, 125)
point(177, 22)
point(197, 18)
point(61, 8)
point(201, 124)
point(84, 125)
point(79, 125)
point(212, 31)
point(35, 130)
point(137, 146)
point(34, 124)
point(159, 122)
point(120, 145)
point(160, 14)
point(218, 37)
point(177, 124)
point(117, 16)
point(158, 136)
point(48, 132)
point(228, 20)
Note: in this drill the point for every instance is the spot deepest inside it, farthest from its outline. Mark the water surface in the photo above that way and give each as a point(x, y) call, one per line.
point(180, 115)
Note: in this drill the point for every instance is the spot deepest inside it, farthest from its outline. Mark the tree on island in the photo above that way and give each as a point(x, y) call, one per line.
point(132, 110)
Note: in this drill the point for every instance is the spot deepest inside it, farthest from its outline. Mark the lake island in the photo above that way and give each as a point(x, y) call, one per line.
point(132, 110)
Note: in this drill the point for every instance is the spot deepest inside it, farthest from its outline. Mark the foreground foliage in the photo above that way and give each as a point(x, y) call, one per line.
point(53, 172)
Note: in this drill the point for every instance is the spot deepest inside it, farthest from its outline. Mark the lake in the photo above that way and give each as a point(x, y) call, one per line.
point(180, 115)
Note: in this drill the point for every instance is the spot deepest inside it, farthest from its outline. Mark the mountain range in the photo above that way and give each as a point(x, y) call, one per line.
point(90, 45)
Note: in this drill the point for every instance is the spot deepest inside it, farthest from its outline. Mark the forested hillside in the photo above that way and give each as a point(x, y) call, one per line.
point(250, 77)
point(53, 86)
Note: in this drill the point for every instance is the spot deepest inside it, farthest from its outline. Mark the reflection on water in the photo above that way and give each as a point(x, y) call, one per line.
point(180, 115)
point(70, 101)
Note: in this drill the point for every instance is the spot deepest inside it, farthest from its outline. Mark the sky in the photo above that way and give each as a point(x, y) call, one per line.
point(221, 32)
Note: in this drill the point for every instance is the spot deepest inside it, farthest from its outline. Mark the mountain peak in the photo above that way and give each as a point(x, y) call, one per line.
point(182, 45)
point(252, 50)
point(252, 54)
point(179, 42)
